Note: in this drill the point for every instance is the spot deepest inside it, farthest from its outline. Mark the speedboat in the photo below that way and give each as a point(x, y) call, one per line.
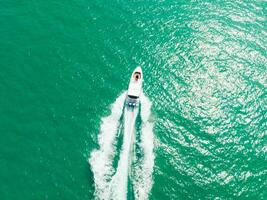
point(135, 88)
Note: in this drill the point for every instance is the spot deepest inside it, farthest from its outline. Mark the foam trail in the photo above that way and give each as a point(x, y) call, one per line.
point(143, 183)
point(101, 160)
point(120, 179)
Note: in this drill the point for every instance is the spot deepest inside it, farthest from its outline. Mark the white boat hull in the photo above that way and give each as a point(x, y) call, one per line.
point(135, 88)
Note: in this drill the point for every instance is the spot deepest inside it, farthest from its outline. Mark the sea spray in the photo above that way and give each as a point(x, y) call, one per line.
point(112, 183)
point(101, 159)
point(120, 179)
point(143, 182)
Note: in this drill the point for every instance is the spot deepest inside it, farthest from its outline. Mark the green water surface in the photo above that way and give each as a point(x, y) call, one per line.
point(62, 63)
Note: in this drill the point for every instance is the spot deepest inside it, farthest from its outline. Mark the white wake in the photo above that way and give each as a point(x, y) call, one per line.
point(101, 160)
point(143, 183)
point(120, 179)
point(107, 185)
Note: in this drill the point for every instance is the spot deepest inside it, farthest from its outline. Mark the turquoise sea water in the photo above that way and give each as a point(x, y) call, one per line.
point(63, 63)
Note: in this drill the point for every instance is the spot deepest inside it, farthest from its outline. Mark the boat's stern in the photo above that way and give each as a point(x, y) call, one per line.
point(132, 102)
point(135, 88)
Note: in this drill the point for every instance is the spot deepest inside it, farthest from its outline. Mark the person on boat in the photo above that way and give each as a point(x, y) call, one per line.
point(136, 76)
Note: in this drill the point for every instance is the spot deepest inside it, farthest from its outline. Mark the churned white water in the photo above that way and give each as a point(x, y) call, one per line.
point(111, 183)
point(120, 179)
point(101, 159)
point(143, 183)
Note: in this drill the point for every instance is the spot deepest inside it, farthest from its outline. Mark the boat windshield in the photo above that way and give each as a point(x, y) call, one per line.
point(132, 97)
